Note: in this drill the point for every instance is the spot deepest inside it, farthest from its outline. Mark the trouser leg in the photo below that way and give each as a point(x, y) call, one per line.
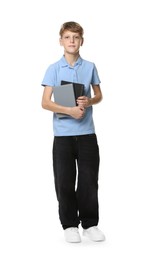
point(87, 187)
point(64, 165)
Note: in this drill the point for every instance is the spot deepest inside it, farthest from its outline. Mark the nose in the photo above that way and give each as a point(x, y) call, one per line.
point(72, 39)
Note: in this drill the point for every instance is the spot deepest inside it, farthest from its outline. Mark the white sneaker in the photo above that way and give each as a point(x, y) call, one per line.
point(72, 235)
point(94, 234)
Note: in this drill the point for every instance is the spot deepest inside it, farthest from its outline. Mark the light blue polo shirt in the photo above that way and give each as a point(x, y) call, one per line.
point(83, 72)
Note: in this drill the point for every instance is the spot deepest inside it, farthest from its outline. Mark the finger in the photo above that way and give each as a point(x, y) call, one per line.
point(81, 98)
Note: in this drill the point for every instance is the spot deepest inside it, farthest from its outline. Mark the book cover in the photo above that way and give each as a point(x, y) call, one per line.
point(64, 95)
point(78, 88)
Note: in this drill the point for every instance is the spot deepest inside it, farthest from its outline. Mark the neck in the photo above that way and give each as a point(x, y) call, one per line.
point(71, 58)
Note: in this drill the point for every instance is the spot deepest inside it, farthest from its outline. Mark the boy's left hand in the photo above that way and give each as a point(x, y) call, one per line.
point(83, 101)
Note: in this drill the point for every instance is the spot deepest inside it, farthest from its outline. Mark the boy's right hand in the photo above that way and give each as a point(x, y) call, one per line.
point(77, 112)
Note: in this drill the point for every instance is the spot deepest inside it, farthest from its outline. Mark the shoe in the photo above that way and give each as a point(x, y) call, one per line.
point(94, 234)
point(72, 235)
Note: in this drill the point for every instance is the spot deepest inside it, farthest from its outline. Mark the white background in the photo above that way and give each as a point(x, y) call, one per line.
point(117, 39)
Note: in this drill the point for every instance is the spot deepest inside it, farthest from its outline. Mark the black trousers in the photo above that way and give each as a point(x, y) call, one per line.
point(76, 166)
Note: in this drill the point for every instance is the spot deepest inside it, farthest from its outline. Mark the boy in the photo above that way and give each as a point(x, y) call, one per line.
point(75, 147)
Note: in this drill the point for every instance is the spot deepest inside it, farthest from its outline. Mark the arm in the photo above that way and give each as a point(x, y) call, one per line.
point(87, 102)
point(76, 112)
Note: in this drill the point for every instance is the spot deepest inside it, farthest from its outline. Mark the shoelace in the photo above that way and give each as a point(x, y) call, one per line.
point(96, 228)
point(74, 230)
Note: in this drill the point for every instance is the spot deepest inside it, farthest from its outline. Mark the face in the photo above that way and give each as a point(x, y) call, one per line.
point(71, 42)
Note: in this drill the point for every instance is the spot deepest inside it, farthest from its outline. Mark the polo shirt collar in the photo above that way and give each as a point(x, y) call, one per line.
point(64, 63)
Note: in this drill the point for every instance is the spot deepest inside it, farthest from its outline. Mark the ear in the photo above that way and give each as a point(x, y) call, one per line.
point(82, 41)
point(60, 41)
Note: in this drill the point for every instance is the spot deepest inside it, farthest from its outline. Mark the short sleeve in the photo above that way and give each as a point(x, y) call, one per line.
point(49, 77)
point(95, 76)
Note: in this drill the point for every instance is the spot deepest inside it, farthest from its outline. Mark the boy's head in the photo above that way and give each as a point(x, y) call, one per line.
point(72, 27)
